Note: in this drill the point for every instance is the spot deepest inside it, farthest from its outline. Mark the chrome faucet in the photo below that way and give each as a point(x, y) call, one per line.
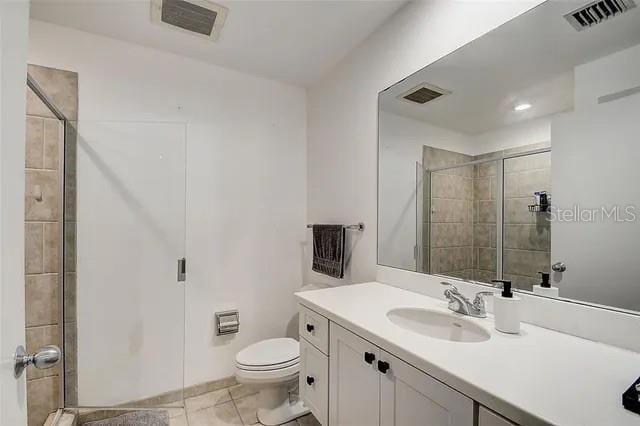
point(459, 303)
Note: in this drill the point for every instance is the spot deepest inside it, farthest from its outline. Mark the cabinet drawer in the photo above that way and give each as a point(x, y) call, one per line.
point(314, 380)
point(487, 417)
point(314, 328)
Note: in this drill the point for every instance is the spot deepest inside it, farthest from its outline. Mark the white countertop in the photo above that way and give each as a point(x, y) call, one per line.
point(540, 376)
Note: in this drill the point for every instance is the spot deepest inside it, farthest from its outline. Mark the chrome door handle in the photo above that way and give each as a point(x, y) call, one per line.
point(45, 357)
point(559, 267)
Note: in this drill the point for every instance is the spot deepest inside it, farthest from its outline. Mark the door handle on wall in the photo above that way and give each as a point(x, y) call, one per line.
point(559, 267)
point(43, 358)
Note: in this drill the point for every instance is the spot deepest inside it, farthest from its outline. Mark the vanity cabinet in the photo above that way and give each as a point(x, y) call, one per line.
point(368, 386)
point(354, 383)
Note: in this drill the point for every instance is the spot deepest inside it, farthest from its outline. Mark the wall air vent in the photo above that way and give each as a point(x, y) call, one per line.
point(198, 17)
point(423, 93)
point(596, 12)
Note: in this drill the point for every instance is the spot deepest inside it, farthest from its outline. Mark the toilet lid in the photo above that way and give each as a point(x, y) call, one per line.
point(269, 352)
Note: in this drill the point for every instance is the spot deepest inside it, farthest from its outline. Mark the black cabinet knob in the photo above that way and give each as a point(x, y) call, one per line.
point(310, 380)
point(310, 328)
point(383, 367)
point(369, 357)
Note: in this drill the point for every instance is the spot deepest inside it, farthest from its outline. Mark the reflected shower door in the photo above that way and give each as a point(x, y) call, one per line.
point(129, 341)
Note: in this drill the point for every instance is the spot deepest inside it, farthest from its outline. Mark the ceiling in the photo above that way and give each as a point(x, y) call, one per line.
point(530, 59)
point(291, 41)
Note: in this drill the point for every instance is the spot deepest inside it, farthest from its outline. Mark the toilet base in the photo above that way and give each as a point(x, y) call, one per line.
point(275, 408)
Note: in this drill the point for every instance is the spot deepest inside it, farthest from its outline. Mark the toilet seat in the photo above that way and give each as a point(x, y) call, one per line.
point(270, 354)
point(268, 361)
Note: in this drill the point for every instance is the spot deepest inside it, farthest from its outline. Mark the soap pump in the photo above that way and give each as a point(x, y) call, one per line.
point(506, 309)
point(545, 288)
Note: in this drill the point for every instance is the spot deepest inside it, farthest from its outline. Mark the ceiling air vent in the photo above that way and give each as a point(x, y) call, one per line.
point(596, 12)
point(198, 17)
point(423, 93)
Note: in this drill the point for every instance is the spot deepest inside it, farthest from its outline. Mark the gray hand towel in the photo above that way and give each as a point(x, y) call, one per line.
point(328, 250)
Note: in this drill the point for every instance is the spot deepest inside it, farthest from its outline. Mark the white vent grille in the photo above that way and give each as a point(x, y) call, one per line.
point(597, 12)
point(202, 18)
point(423, 93)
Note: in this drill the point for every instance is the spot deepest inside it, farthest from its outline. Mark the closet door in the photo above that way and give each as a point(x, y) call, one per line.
point(354, 381)
point(409, 397)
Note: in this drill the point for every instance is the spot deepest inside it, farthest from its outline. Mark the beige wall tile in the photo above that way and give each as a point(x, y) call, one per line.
point(482, 189)
point(42, 306)
point(51, 252)
point(527, 263)
point(451, 235)
point(34, 141)
point(516, 210)
point(533, 181)
point(486, 169)
point(451, 259)
point(35, 107)
point(42, 399)
point(48, 183)
point(38, 337)
point(33, 250)
point(52, 130)
point(486, 212)
point(61, 86)
point(451, 187)
point(528, 237)
point(487, 259)
point(449, 211)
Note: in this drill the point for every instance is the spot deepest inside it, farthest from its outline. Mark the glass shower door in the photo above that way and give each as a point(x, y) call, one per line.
point(124, 343)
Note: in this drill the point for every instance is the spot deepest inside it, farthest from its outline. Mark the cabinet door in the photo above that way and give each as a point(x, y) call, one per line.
point(487, 417)
point(354, 382)
point(409, 397)
point(314, 380)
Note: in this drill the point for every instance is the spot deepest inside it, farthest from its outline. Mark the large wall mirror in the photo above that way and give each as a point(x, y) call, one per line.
point(519, 153)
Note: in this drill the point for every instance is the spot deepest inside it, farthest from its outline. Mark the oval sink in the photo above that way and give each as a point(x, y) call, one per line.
point(438, 325)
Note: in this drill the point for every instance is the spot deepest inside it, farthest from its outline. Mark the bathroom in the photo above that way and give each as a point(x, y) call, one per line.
point(254, 225)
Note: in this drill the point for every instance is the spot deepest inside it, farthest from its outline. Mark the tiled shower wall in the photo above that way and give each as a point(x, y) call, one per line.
point(448, 214)
point(459, 218)
point(43, 225)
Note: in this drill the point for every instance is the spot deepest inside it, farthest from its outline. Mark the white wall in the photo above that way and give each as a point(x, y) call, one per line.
point(401, 145)
point(513, 136)
point(342, 110)
point(13, 71)
point(246, 180)
point(605, 76)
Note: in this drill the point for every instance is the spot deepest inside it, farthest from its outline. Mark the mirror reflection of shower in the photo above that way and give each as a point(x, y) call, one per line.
point(486, 216)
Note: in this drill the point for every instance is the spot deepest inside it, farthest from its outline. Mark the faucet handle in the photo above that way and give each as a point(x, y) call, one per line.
point(478, 302)
point(451, 288)
point(479, 295)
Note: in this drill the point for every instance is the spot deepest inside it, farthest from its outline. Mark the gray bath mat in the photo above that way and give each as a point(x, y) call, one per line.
point(135, 418)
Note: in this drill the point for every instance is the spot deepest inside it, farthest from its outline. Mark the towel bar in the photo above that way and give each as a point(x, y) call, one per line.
point(358, 227)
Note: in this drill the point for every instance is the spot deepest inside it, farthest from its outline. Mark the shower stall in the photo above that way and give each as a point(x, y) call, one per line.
point(105, 258)
point(485, 217)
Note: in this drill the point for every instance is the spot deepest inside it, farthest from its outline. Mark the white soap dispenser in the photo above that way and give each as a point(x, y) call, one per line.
point(506, 309)
point(545, 288)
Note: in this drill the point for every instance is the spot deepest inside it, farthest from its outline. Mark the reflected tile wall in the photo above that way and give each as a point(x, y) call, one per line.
point(459, 220)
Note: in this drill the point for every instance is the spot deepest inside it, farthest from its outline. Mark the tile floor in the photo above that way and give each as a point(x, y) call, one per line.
point(231, 406)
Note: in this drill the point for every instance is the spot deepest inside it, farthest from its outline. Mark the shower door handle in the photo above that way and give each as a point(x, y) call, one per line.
point(45, 357)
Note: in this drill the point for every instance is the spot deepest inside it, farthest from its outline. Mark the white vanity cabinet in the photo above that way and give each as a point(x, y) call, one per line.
point(368, 386)
point(354, 383)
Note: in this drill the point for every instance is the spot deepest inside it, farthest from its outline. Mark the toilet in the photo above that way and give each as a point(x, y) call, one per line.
point(272, 366)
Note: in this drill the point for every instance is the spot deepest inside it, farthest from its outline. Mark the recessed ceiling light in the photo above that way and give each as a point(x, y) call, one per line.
point(521, 107)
